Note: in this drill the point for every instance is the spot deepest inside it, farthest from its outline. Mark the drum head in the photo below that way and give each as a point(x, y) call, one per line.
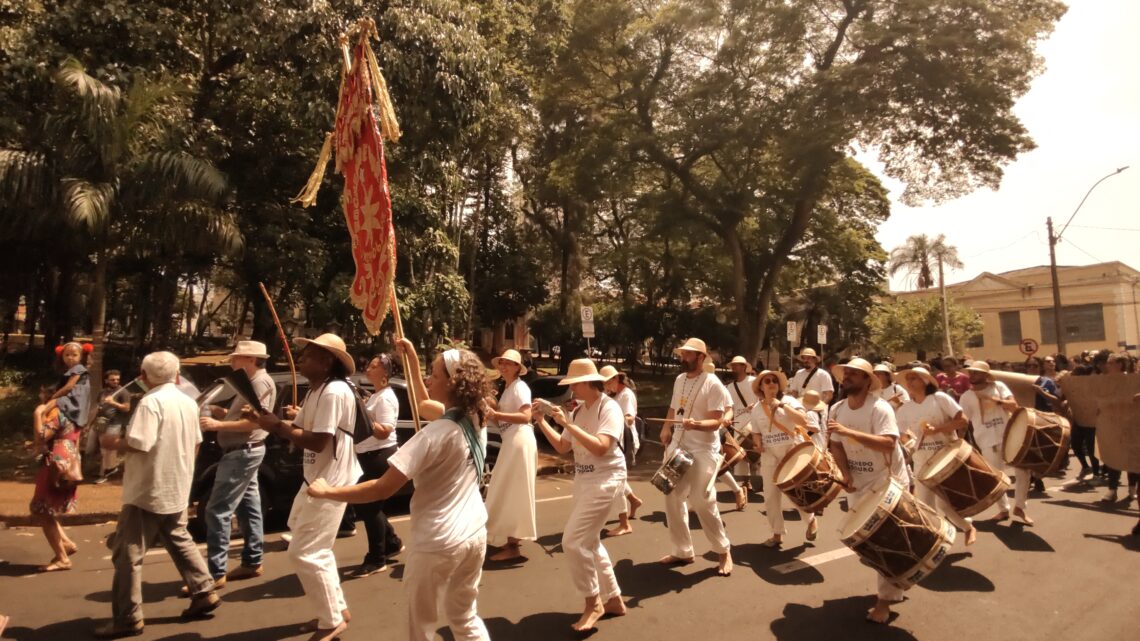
point(863, 509)
point(946, 455)
point(794, 462)
point(1015, 433)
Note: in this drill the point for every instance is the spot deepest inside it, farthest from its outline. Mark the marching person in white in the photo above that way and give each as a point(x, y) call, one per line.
point(510, 495)
point(864, 440)
point(323, 428)
point(592, 432)
point(697, 408)
point(889, 390)
point(988, 404)
point(723, 474)
point(811, 376)
point(933, 419)
point(626, 502)
point(743, 404)
point(816, 411)
point(448, 519)
point(776, 428)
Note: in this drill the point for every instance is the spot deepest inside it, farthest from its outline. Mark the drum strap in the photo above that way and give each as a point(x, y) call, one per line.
point(780, 426)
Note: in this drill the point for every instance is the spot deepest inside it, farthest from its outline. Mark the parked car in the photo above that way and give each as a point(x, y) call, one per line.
point(280, 475)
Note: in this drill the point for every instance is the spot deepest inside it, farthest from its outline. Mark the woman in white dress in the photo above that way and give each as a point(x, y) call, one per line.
point(778, 424)
point(592, 432)
point(932, 419)
point(890, 391)
point(510, 495)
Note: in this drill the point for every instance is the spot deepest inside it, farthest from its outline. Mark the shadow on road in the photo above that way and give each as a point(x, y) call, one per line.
point(658, 516)
point(763, 561)
point(1015, 536)
point(83, 628)
point(152, 592)
point(1127, 541)
point(644, 581)
point(837, 619)
point(261, 634)
point(287, 586)
point(18, 569)
point(544, 625)
point(951, 577)
point(1094, 507)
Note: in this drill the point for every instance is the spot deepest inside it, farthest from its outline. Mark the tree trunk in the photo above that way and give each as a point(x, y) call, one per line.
point(945, 309)
point(98, 322)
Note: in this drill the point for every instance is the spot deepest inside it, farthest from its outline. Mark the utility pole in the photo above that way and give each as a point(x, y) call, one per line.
point(945, 309)
point(1058, 329)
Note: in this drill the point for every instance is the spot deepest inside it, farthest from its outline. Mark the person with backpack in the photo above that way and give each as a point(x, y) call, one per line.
point(323, 427)
point(444, 460)
point(811, 376)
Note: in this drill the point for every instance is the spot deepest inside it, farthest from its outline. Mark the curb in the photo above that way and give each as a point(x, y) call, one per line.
point(91, 518)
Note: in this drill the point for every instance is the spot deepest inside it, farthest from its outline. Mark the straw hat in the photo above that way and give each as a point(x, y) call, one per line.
point(921, 372)
point(980, 366)
point(608, 372)
point(858, 364)
point(693, 345)
point(582, 370)
point(510, 356)
point(812, 401)
point(808, 352)
point(884, 369)
point(256, 349)
point(709, 366)
point(739, 360)
point(759, 377)
point(332, 344)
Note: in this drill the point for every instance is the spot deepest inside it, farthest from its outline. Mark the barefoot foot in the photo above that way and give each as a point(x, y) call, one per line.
point(880, 613)
point(619, 530)
point(589, 619)
point(669, 559)
point(634, 504)
point(725, 567)
point(615, 607)
point(507, 553)
point(971, 536)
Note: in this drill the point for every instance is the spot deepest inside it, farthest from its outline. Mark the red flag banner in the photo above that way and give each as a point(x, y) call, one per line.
point(359, 146)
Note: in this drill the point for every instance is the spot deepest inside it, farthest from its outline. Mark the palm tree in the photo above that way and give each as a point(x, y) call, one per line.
point(98, 172)
point(917, 257)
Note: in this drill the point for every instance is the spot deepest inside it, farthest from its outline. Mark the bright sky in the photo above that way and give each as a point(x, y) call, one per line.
point(1084, 113)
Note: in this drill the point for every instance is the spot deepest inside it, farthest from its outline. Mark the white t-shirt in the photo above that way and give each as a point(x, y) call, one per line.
point(447, 508)
point(772, 436)
point(868, 466)
point(514, 398)
point(383, 408)
point(164, 430)
point(330, 409)
point(989, 422)
point(627, 401)
point(697, 398)
point(742, 396)
point(889, 392)
point(603, 417)
point(817, 425)
point(935, 409)
point(820, 382)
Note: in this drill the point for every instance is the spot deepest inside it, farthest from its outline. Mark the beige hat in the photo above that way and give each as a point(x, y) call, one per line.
point(759, 377)
point(980, 366)
point(808, 352)
point(693, 345)
point(812, 401)
point(333, 344)
point(921, 372)
point(739, 360)
point(582, 370)
point(709, 366)
point(256, 349)
point(861, 365)
point(608, 372)
point(510, 356)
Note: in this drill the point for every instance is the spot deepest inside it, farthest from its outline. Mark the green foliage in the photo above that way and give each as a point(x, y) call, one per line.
point(913, 324)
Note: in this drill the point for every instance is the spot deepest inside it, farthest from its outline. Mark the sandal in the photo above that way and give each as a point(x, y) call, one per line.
point(55, 566)
point(773, 542)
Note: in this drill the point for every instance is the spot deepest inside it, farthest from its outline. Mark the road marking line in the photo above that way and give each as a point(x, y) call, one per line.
point(554, 498)
point(813, 561)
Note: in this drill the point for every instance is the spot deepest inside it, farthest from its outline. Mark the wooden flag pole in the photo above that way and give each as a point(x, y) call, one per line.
point(411, 385)
point(284, 339)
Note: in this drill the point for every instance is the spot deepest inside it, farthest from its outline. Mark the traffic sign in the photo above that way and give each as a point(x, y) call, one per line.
point(588, 329)
point(1028, 346)
point(793, 331)
point(587, 314)
point(821, 334)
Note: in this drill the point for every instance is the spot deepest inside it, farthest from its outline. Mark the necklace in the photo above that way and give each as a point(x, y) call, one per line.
point(685, 390)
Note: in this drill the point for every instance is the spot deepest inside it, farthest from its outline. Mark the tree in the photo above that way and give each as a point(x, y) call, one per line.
point(100, 174)
point(916, 257)
point(914, 324)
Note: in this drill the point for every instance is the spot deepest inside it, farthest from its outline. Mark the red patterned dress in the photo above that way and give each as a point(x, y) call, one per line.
point(48, 498)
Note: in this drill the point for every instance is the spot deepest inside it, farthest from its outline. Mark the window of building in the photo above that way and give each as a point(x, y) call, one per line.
point(1082, 323)
point(977, 340)
point(1010, 327)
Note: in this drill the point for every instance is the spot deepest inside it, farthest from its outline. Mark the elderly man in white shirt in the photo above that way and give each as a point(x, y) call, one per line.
point(811, 376)
point(159, 446)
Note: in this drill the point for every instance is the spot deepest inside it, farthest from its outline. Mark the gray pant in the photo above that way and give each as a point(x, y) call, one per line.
point(136, 530)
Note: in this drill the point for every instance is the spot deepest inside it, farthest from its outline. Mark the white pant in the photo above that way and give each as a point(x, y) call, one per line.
point(745, 468)
point(590, 566)
point(621, 501)
point(774, 496)
point(728, 479)
point(450, 579)
point(697, 484)
point(1020, 485)
point(314, 523)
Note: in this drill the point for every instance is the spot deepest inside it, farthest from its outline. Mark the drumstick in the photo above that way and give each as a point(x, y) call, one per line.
point(665, 420)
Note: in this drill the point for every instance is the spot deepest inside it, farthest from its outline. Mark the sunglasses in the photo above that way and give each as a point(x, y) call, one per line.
point(769, 381)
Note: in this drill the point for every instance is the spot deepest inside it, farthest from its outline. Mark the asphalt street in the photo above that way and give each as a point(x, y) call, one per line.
point(1066, 578)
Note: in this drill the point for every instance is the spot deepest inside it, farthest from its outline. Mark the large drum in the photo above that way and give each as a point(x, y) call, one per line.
point(895, 533)
point(1036, 441)
point(671, 472)
point(960, 475)
point(808, 476)
point(731, 452)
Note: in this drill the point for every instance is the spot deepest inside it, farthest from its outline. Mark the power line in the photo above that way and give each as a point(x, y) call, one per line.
point(1006, 246)
point(1104, 228)
point(1084, 252)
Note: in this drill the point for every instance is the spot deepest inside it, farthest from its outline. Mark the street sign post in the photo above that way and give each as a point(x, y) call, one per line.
point(1028, 346)
point(793, 337)
point(821, 334)
point(588, 327)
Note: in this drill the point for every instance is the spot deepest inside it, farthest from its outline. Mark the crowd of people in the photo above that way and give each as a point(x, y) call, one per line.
point(876, 422)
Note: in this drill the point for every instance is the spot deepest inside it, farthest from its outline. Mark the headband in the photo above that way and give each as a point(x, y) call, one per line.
point(84, 348)
point(451, 362)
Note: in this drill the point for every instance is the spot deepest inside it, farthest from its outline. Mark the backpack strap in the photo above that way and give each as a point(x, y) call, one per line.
point(472, 436)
